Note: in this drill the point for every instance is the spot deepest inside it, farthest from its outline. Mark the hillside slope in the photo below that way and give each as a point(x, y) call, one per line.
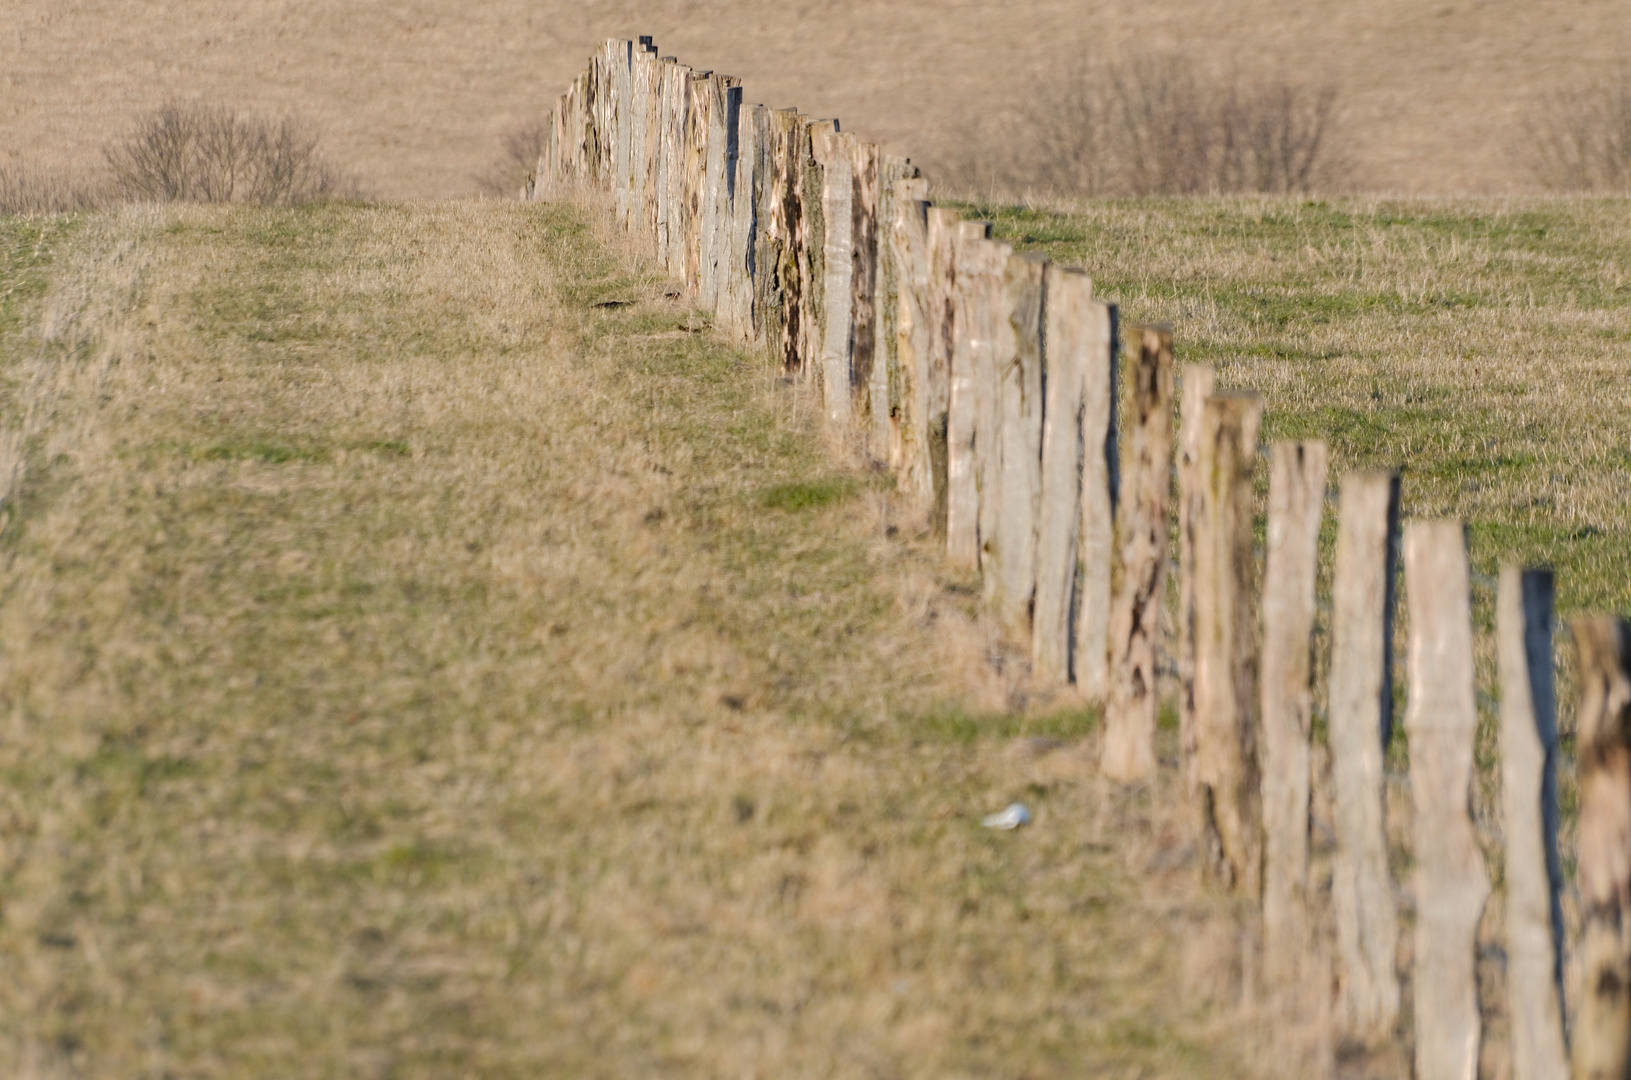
point(416, 95)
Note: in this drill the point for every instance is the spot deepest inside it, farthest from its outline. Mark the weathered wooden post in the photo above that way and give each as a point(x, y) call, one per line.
point(1451, 883)
point(1361, 722)
point(1290, 575)
point(1067, 333)
point(909, 242)
point(711, 196)
point(1019, 435)
point(897, 179)
point(779, 283)
point(969, 371)
point(991, 338)
point(1195, 383)
point(693, 202)
point(866, 365)
point(1534, 914)
point(811, 244)
point(634, 219)
point(1226, 690)
point(623, 113)
point(1135, 618)
point(944, 224)
point(740, 202)
point(831, 149)
point(1601, 1043)
point(1090, 664)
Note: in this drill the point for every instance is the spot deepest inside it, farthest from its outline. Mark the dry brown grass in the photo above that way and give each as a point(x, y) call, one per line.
point(416, 668)
point(417, 98)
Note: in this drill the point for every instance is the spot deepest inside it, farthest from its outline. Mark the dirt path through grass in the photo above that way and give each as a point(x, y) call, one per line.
point(423, 655)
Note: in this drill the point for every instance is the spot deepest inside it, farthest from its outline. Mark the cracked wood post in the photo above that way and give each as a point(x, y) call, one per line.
point(1226, 689)
point(639, 114)
point(1441, 720)
point(779, 282)
point(830, 149)
point(964, 403)
point(1290, 576)
point(1524, 604)
point(909, 247)
point(1090, 664)
point(1019, 430)
point(943, 226)
point(812, 245)
point(1131, 709)
point(866, 364)
point(1196, 384)
point(1601, 1047)
point(694, 179)
point(1360, 723)
point(1069, 314)
point(676, 133)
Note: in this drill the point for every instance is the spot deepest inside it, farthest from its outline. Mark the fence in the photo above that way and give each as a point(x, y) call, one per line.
point(987, 381)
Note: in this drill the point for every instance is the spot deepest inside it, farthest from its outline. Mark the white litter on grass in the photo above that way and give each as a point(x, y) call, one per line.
point(1010, 817)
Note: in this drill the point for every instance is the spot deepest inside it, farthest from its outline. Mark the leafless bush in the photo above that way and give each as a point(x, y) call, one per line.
point(518, 155)
point(1161, 126)
point(28, 190)
point(202, 153)
point(1580, 139)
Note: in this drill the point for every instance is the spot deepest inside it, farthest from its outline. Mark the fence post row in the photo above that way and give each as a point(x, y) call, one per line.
point(987, 382)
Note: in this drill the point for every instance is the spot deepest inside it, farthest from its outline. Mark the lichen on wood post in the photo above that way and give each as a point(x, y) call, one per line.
point(1128, 753)
point(1524, 604)
point(865, 364)
point(1290, 576)
point(1195, 385)
point(1359, 725)
point(1226, 691)
point(812, 244)
point(1068, 333)
point(1601, 1039)
point(1090, 662)
point(1451, 882)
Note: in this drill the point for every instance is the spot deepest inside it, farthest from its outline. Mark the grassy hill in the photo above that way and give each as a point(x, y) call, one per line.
point(427, 652)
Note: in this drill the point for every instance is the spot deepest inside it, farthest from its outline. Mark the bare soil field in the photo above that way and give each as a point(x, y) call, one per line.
point(416, 96)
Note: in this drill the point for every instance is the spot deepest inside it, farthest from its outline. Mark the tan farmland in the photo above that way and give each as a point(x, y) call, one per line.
point(416, 95)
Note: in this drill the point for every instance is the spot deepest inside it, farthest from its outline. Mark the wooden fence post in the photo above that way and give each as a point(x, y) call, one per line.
point(866, 365)
point(909, 243)
point(677, 144)
point(965, 400)
point(1451, 883)
point(1019, 433)
point(1135, 617)
point(667, 75)
point(992, 337)
point(944, 225)
point(831, 150)
point(634, 220)
point(1361, 721)
point(1090, 663)
point(1601, 1047)
point(898, 179)
point(700, 100)
point(1534, 914)
point(779, 284)
point(1225, 653)
point(712, 192)
point(1068, 333)
point(622, 107)
point(812, 244)
point(1196, 384)
point(1290, 576)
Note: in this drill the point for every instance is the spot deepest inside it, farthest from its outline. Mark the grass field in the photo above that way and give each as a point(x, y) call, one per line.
point(428, 653)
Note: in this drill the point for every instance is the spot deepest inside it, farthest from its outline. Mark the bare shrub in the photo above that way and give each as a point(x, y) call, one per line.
point(189, 152)
point(28, 190)
point(1580, 139)
point(1160, 125)
point(520, 148)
